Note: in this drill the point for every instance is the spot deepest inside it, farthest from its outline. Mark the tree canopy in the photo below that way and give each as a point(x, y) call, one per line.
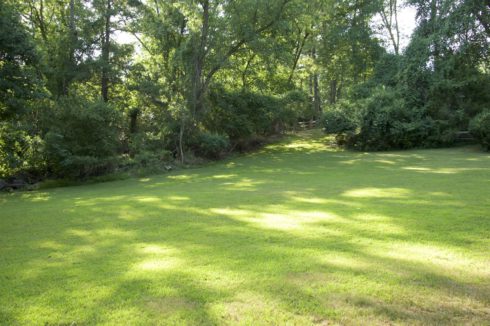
point(204, 77)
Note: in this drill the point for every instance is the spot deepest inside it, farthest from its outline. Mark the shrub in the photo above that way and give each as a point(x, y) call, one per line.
point(296, 106)
point(338, 121)
point(20, 152)
point(386, 123)
point(148, 142)
point(480, 128)
point(212, 145)
point(149, 158)
point(443, 133)
point(243, 114)
point(83, 138)
point(250, 143)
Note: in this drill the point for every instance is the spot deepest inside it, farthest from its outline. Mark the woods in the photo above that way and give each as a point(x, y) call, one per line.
point(271, 162)
point(203, 78)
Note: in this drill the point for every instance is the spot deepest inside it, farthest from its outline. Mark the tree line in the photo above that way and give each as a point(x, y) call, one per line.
point(205, 77)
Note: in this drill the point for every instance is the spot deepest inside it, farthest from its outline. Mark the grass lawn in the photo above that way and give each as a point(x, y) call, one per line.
point(298, 233)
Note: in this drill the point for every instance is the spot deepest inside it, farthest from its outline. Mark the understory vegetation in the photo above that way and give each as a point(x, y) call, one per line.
point(200, 79)
point(268, 238)
point(244, 162)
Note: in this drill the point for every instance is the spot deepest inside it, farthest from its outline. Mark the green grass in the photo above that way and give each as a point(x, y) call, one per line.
point(298, 233)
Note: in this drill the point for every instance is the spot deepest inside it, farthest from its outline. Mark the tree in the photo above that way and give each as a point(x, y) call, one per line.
point(20, 86)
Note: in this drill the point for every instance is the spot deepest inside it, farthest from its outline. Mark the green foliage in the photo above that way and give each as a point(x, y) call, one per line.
point(243, 69)
point(148, 158)
point(339, 120)
point(83, 139)
point(386, 123)
point(387, 70)
point(480, 128)
point(383, 122)
point(242, 114)
point(20, 151)
point(211, 145)
point(20, 88)
point(296, 106)
point(19, 82)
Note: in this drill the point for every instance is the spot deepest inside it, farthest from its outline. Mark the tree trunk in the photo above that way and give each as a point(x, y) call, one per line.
point(198, 87)
point(317, 109)
point(133, 120)
point(181, 141)
point(333, 91)
point(316, 97)
point(104, 86)
point(245, 71)
point(390, 25)
point(297, 55)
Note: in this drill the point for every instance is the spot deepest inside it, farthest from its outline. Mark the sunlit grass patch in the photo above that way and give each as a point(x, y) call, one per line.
point(298, 233)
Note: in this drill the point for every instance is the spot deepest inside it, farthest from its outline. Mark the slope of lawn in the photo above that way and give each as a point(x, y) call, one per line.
point(298, 233)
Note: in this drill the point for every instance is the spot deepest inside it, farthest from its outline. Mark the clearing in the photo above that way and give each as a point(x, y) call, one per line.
point(298, 232)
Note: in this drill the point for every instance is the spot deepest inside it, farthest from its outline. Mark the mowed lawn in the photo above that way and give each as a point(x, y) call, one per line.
point(298, 233)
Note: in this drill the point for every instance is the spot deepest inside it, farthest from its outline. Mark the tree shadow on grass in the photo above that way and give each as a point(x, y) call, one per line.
point(329, 244)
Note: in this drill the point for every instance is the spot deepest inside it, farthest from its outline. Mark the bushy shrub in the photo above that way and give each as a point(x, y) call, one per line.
point(149, 158)
point(296, 106)
point(243, 114)
point(442, 133)
point(383, 121)
point(83, 138)
point(250, 143)
point(386, 123)
point(20, 152)
point(211, 145)
point(148, 142)
point(480, 128)
point(338, 121)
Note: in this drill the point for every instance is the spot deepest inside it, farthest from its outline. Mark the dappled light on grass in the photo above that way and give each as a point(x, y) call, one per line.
point(280, 237)
point(439, 171)
point(377, 193)
point(156, 258)
point(281, 221)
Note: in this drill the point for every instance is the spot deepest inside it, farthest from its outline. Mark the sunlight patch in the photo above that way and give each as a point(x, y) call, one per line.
point(156, 249)
point(129, 214)
point(148, 199)
point(371, 217)
point(51, 245)
point(438, 171)
point(276, 221)
point(377, 193)
point(178, 198)
point(293, 220)
point(230, 211)
point(350, 162)
point(79, 233)
point(224, 176)
point(180, 177)
point(443, 258)
point(305, 145)
point(244, 183)
point(311, 200)
point(285, 221)
point(157, 258)
point(385, 162)
point(158, 264)
point(114, 232)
